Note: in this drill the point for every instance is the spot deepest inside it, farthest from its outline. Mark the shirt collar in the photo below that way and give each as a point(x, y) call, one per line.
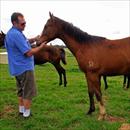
point(16, 28)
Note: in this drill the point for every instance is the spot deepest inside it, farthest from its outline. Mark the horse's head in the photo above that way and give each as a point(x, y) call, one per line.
point(2, 37)
point(50, 31)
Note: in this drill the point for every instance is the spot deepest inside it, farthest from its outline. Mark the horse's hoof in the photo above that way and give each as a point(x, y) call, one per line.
point(90, 112)
point(60, 84)
point(102, 117)
point(65, 84)
point(125, 88)
point(106, 87)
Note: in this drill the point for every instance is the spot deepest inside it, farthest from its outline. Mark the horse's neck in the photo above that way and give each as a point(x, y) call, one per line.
point(70, 43)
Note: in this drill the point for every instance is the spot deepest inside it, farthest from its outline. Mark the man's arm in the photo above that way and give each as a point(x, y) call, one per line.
point(35, 50)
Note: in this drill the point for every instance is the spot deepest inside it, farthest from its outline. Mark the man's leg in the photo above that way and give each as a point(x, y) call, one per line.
point(19, 84)
point(29, 91)
point(21, 105)
point(27, 105)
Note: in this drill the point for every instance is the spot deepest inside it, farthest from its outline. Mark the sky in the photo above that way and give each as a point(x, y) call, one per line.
point(107, 18)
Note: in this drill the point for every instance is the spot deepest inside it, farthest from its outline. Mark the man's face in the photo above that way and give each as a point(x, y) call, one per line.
point(21, 23)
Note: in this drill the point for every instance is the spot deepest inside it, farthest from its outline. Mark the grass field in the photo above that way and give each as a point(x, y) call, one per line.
point(60, 108)
point(2, 50)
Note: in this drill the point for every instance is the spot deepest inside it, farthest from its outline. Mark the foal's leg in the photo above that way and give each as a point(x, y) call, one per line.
point(64, 75)
point(62, 72)
point(59, 72)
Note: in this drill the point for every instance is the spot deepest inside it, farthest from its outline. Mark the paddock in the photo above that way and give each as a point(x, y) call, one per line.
point(58, 107)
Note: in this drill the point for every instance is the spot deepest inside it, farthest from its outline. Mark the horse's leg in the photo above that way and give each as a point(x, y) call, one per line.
point(91, 95)
point(98, 94)
point(63, 72)
point(95, 82)
point(59, 72)
point(128, 82)
point(105, 82)
point(60, 78)
point(64, 75)
point(124, 82)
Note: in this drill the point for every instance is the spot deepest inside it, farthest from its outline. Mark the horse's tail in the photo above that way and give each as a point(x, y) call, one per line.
point(63, 56)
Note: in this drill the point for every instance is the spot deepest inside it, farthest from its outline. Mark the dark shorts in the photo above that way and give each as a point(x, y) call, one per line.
point(26, 85)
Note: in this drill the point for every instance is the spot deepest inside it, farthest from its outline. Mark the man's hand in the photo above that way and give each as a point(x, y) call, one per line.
point(33, 51)
point(42, 45)
point(35, 39)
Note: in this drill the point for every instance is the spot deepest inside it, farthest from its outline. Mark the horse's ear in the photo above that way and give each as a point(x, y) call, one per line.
point(2, 32)
point(51, 15)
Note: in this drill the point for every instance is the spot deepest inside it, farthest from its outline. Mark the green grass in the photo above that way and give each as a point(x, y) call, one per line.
point(60, 108)
point(2, 50)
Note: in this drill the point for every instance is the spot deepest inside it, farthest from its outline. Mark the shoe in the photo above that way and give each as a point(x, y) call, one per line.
point(26, 113)
point(28, 117)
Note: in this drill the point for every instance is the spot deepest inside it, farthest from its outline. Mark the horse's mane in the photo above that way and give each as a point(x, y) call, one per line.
point(78, 34)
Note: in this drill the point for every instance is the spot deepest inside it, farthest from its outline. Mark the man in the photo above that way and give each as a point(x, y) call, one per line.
point(21, 62)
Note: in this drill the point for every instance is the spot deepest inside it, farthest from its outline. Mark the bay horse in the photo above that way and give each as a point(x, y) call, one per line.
point(60, 69)
point(96, 56)
point(2, 37)
point(52, 55)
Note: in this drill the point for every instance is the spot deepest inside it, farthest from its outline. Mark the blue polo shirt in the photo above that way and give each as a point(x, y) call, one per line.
point(17, 45)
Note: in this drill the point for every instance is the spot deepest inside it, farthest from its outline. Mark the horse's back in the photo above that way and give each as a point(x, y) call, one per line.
point(116, 56)
point(121, 42)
